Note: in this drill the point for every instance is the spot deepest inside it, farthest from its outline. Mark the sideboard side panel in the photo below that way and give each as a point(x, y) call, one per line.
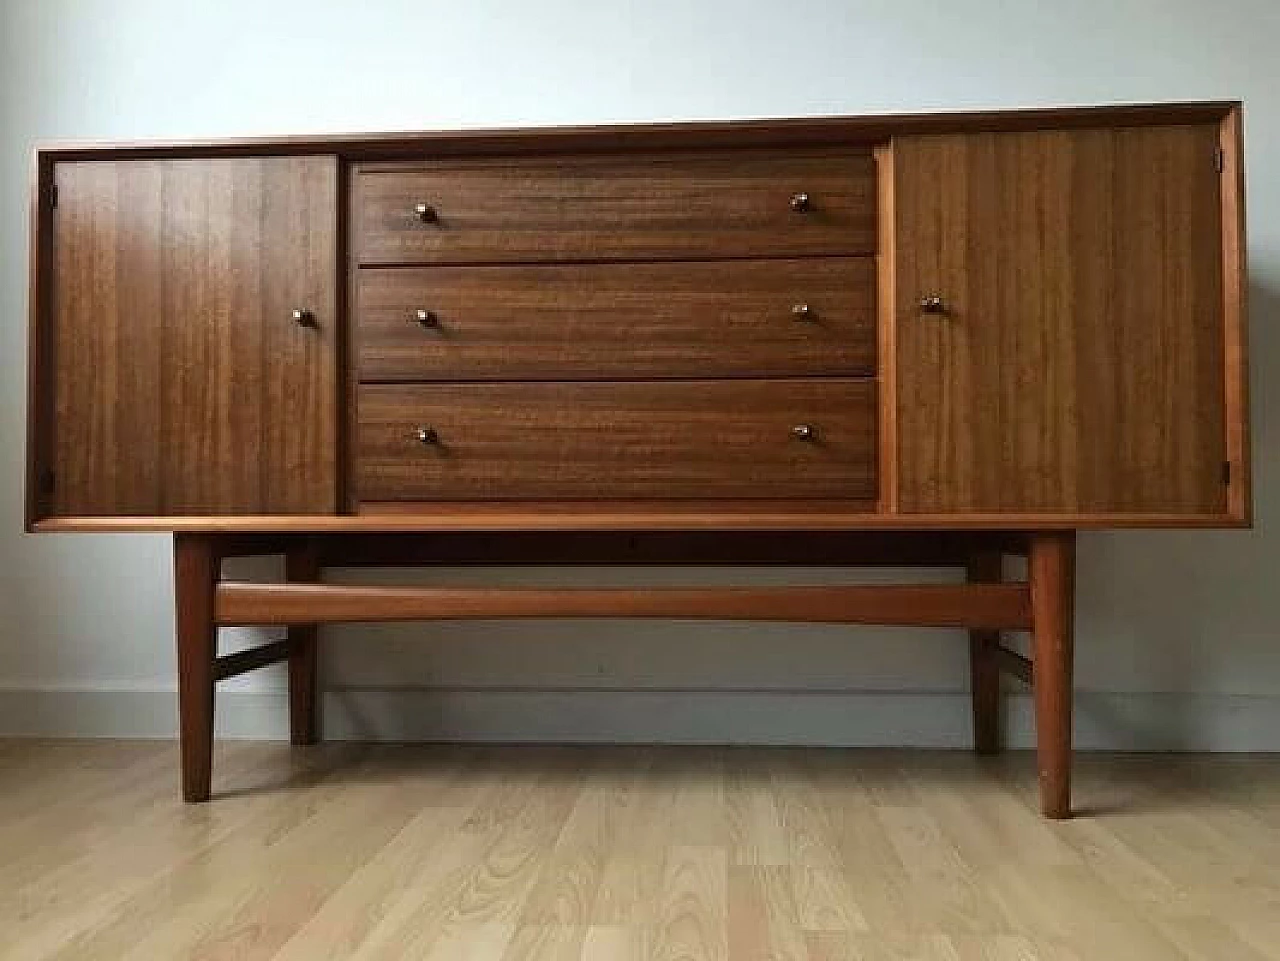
point(1236, 310)
point(1078, 365)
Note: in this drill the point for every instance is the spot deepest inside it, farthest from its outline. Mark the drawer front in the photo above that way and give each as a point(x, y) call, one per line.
point(736, 204)
point(687, 439)
point(555, 322)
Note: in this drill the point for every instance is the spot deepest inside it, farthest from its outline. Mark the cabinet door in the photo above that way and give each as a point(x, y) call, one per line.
point(182, 383)
point(1077, 363)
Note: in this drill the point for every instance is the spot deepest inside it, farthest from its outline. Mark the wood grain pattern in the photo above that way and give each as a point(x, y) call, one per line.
point(887, 328)
point(401, 851)
point(730, 204)
point(1235, 290)
point(985, 567)
point(182, 385)
point(39, 459)
point(618, 439)
point(731, 514)
point(302, 563)
point(713, 319)
point(195, 576)
point(1079, 366)
point(989, 606)
point(1051, 572)
point(608, 138)
point(815, 138)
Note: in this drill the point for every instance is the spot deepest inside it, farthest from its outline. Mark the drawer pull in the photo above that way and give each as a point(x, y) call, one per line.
point(803, 312)
point(303, 317)
point(933, 304)
point(805, 432)
point(427, 318)
point(426, 213)
point(427, 435)
point(800, 203)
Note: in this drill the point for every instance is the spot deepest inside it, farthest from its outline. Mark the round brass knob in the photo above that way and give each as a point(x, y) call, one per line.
point(802, 312)
point(427, 318)
point(425, 212)
point(800, 202)
point(427, 435)
point(804, 432)
point(303, 317)
point(933, 304)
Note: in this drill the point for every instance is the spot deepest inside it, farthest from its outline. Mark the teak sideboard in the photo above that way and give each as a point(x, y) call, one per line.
point(931, 340)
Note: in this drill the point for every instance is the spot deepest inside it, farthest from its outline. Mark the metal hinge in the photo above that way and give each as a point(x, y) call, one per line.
point(1219, 160)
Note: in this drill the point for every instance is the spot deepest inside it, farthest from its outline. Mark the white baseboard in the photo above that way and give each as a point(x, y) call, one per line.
point(1104, 721)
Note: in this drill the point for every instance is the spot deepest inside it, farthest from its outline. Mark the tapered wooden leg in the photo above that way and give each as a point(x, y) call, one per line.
point(195, 570)
point(301, 564)
point(984, 668)
point(1052, 583)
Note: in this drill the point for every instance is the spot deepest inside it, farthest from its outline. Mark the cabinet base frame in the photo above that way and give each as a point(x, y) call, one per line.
point(984, 603)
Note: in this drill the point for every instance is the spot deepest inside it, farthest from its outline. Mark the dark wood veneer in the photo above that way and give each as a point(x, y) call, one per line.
point(617, 321)
point(610, 439)
point(1020, 324)
point(180, 382)
point(730, 203)
point(819, 131)
point(814, 136)
point(1079, 362)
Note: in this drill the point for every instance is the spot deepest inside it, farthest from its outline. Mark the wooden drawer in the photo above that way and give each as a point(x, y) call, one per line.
point(555, 322)
point(729, 204)
point(677, 439)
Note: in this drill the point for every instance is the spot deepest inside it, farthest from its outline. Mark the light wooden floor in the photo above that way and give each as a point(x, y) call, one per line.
point(615, 854)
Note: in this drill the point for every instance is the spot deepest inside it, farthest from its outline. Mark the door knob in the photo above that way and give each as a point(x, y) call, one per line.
point(427, 435)
point(933, 304)
point(304, 317)
point(800, 202)
point(804, 432)
point(425, 212)
point(427, 318)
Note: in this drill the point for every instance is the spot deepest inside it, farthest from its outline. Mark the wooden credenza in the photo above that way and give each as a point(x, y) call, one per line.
point(908, 340)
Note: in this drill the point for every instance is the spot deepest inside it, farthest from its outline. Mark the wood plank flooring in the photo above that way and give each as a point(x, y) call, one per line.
point(522, 853)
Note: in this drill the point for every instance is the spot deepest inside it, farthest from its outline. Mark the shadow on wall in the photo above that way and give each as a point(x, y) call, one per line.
point(1190, 611)
point(1191, 614)
point(1176, 612)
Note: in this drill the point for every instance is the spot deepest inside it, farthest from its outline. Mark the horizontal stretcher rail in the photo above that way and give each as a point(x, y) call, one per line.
point(978, 606)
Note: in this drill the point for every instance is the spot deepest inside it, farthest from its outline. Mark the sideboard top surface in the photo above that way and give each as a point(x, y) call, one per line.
point(816, 130)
